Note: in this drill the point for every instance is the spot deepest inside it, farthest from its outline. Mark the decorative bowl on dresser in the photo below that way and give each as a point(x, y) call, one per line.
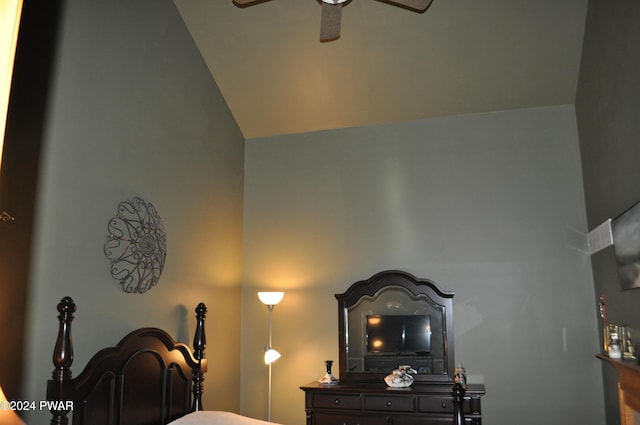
point(368, 354)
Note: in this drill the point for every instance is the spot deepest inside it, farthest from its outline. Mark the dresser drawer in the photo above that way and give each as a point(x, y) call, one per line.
point(389, 403)
point(337, 419)
point(435, 404)
point(445, 404)
point(337, 401)
point(423, 420)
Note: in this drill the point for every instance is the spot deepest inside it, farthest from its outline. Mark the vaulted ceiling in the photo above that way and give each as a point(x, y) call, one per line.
point(390, 64)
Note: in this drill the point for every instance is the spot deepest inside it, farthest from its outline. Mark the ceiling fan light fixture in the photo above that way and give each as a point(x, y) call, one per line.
point(331, 18)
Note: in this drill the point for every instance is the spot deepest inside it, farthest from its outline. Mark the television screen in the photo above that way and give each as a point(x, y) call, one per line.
point(407, 334)
point(625, 230)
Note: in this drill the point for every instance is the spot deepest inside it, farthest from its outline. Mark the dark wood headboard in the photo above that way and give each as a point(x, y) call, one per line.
point(146, 379)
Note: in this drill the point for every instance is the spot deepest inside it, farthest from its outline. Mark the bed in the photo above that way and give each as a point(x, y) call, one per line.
point(146, 379)
point(208, 417)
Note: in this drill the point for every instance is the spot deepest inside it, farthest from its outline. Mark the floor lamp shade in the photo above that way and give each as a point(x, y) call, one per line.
point(270, 355)
point(270, 298)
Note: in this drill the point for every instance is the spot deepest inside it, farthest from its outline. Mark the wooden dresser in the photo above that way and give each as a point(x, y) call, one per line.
point(628, 388)
point(389, 320)
point(376, 404)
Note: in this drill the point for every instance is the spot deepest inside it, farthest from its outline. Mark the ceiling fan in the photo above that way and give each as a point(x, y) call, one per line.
point(332, 13)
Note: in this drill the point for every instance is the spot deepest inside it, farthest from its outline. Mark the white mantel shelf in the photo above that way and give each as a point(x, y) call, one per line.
point(628, 387)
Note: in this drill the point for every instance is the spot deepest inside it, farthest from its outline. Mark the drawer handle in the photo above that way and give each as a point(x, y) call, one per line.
point(389, 403)
point(336, 401)
point(444, 405)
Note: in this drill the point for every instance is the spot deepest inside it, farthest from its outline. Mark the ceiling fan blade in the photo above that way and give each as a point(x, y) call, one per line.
point(415, 5)
point(330, 21)
point(246, 3)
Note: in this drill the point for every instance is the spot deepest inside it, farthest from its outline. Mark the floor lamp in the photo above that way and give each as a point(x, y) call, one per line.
point(270, 299)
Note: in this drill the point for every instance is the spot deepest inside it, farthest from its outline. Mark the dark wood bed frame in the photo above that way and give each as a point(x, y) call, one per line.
point(146, 379)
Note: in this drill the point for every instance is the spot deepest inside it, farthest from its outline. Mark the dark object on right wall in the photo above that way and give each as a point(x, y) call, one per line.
point(626, 244)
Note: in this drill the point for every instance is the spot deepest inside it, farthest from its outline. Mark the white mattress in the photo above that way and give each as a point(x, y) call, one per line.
point(215, 417)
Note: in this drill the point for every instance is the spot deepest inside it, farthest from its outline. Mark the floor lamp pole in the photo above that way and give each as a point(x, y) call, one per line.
point(269, 408)
point(270, 330)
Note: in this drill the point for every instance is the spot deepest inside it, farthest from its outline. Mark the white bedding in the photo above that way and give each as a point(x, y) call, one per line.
point(216, 417)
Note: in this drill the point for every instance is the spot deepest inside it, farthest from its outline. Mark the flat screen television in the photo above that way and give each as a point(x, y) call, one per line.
point(625, 230)
point(398, 334)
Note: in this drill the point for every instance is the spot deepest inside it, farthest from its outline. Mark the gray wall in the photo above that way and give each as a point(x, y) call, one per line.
point(607, 106)
point(487, 205)
point(135, 112)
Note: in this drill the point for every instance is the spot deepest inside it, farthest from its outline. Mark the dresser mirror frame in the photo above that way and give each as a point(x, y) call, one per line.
point(388, 292)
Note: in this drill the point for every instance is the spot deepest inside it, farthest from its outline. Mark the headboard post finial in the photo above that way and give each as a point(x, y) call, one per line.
point(58, 386)
point(200, 340)
point(63, 351)
point(199, 344)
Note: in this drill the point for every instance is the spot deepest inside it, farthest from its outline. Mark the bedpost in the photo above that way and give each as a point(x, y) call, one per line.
point(58, 387)
point(199, 344)
point(457, 392)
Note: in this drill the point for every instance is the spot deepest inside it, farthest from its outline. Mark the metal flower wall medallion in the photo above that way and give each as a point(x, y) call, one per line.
point(136, 245)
